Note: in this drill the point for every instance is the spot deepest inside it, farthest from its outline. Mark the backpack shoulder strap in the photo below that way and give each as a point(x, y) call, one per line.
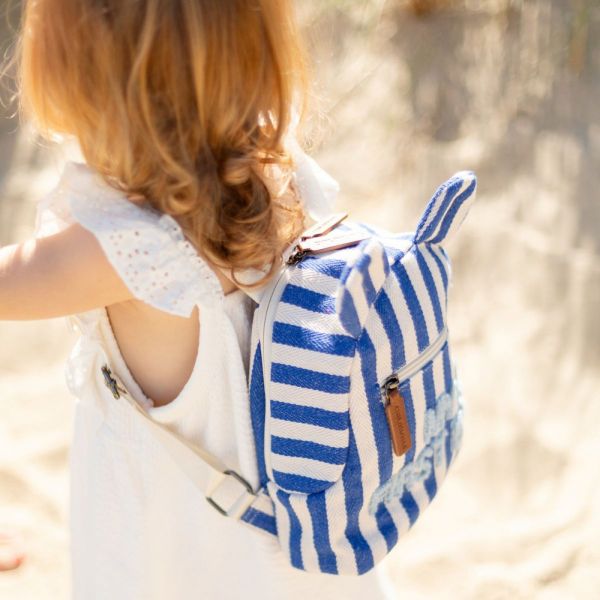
point(226, 490)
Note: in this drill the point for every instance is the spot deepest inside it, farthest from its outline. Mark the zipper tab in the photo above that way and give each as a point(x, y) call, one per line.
point(324, 226)
point(296, 256)
point(319, 245)
point(395, 409)
point(395, 412)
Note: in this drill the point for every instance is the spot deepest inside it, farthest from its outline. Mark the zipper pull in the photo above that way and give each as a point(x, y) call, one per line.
point(324, 226)
point(319, 245)
point(295, 257)
point(395, 412)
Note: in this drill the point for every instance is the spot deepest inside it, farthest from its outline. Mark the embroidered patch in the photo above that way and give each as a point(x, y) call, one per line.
point(448, 408)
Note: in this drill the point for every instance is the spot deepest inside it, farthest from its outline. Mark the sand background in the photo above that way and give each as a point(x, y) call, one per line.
point(509, 89)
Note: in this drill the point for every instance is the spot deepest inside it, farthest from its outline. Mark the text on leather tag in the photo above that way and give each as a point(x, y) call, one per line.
point(395, 412)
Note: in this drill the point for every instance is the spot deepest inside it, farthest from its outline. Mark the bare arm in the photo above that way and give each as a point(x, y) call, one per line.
point(58, 275)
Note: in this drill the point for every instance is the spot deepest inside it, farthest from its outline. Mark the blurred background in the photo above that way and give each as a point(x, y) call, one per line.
point(412, 91)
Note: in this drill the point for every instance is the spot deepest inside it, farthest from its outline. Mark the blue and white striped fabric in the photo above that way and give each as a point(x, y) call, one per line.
point(343, 322)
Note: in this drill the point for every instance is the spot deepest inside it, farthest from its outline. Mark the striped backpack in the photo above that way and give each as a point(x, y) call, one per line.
point(355, 405)
point(355, 408)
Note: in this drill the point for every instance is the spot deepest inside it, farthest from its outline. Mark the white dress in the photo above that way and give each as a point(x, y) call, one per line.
point(139, 528)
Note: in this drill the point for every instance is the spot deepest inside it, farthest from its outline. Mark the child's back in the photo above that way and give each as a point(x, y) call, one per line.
point(187, 107)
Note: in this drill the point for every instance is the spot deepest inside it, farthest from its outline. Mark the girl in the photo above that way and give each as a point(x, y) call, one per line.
point(191, 186)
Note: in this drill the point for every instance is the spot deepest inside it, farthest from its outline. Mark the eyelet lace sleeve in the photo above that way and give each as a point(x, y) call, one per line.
point(147, 248)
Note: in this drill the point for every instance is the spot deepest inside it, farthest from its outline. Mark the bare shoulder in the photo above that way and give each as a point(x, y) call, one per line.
point(57, 275)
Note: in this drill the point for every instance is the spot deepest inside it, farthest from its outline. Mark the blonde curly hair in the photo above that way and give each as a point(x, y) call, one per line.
point(186, 103)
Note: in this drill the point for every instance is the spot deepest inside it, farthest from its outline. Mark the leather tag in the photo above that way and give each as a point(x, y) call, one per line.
point(395, 412)
point(325, 226)
point(317, 245)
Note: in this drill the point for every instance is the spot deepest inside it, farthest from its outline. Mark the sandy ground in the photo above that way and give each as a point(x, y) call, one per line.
point(509, 90)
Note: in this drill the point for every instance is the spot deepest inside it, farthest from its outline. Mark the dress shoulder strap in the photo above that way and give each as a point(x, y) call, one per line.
point(317, 188)
point(147, 248)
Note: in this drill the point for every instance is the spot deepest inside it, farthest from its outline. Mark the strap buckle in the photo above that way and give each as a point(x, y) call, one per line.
point(231, 494)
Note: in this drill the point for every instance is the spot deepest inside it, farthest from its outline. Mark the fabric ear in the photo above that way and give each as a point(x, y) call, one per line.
point(447, 209)
point(359, 285)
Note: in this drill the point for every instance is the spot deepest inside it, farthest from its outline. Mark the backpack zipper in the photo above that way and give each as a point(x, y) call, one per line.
point(265, 316)
point(265, 346)
point(314, 241)
point(394, 404)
